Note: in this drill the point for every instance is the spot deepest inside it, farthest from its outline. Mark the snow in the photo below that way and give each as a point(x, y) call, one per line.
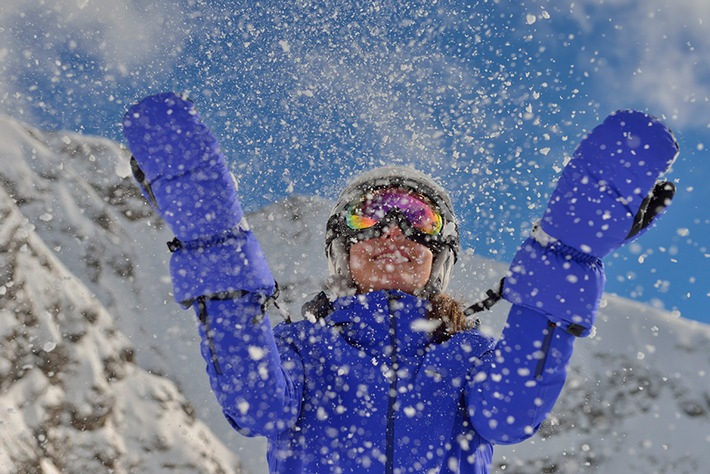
point(639, 386)
point(73, 398)
point(100, 370)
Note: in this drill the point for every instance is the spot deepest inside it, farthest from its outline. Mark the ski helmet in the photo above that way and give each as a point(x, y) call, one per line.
point(444, 245)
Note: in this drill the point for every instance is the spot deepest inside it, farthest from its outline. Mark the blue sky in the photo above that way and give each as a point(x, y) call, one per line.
point(489, 97)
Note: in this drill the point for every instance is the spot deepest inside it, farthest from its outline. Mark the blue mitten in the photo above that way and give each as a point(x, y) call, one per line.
point(181, 170)
point(184, 173)
point(608, 195)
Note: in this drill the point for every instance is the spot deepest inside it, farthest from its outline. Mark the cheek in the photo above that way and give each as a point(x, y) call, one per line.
point(360, 264)
point(423, 256)
point(358, 254)
point(356, 263)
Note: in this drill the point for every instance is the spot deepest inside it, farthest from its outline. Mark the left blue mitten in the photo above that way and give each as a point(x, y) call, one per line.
point(182, 172)
point(608, 193)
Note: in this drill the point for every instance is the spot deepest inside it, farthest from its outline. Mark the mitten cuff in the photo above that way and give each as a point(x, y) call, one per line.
point(557, 280)
point(230, 262)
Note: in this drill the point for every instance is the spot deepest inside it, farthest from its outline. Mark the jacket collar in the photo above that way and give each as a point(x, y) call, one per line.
point(382, 320)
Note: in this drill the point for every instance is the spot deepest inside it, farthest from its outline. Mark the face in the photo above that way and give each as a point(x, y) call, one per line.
point(390, 262)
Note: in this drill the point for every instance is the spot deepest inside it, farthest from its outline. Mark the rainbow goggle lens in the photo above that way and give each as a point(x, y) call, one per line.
point(375, 205)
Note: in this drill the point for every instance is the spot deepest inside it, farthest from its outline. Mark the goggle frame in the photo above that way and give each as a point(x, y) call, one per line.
point(373, 206)
point(337, 224)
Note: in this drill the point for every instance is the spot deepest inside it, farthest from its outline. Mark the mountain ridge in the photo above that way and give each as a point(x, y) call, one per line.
point(637, 398)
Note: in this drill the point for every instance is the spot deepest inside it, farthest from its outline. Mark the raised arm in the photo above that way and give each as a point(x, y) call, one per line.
point(217, 266)
point(607, 196)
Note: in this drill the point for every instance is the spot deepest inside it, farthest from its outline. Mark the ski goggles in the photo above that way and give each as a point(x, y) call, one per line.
point(381, 204)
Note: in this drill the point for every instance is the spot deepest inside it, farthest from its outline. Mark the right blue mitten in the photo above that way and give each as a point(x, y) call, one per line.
point(181, 168)
point(184, 175)
point(608, 195)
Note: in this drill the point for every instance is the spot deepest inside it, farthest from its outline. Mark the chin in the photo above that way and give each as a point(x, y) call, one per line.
point(407, 287)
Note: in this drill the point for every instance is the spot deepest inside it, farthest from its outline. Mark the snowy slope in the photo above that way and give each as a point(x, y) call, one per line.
point(637, 400)
point(72, 398)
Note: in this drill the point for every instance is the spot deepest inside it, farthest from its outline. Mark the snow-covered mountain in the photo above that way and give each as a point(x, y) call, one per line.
point(100, 369)
point(72, 398)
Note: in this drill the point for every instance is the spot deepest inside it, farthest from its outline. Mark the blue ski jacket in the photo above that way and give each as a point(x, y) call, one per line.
point(365, 390)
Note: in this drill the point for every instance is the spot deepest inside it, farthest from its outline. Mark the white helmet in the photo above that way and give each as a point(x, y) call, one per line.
point(444, 245)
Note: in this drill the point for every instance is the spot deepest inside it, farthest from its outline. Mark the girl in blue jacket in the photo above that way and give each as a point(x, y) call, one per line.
point(386, 374)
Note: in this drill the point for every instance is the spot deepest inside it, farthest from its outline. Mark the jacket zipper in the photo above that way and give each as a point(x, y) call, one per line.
point(546, 343)
point(392, 395)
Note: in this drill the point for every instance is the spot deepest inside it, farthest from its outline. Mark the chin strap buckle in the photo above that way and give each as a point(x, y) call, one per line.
point(493, 296)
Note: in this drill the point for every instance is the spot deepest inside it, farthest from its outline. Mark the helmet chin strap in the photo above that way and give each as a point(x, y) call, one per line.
point(440, 273)
point(340, 283)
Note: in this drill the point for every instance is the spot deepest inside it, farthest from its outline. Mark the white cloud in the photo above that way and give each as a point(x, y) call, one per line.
point(657, 52)
point(661, 50)
point(78, 44)
point(116, 30)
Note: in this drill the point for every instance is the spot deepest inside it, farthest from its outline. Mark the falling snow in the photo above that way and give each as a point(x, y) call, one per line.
point(644, 372)
point(489, 97)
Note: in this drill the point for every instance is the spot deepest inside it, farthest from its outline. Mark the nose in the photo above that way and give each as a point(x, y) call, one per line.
point(393, 232)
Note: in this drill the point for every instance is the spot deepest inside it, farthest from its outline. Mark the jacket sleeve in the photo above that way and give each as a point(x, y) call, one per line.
point(217, 266)
point(258, 384)
point(227, 282)
point(607, 195)
point(517, 383)
point(555, 293)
